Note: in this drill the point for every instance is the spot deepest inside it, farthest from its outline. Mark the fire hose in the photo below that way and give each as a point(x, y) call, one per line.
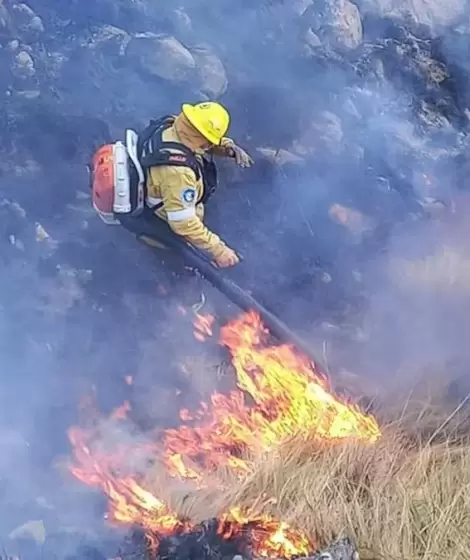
point(194, 259)
point(147, 225)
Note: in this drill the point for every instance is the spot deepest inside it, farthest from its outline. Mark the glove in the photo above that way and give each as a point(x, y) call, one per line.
point(200, 211)
point(227, 259)
point(242, 158)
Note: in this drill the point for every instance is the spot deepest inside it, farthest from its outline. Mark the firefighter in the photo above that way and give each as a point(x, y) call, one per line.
point(177, 155)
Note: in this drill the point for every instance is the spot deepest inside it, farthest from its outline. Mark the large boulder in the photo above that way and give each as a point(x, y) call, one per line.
point(5, 19)
point(109, 40)
point(336, 23)
point(162, 56)
point(431, 13)
point(181, 23)
point(26, 20)
point(23, 65)
point(321, 134)
point(210, 70)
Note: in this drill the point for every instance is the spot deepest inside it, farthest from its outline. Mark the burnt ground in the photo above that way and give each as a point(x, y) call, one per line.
point(368, 106)
point(91, 306)
point(82, 310)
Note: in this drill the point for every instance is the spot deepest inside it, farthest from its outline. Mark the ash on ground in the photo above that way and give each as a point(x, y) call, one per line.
point(204, 542)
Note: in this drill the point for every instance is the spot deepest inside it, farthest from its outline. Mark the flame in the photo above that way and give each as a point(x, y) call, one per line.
point(279, 395)
point(122, 411)
point(289, 398)
point(129, 502)
point(203, 326)
point(269, 537)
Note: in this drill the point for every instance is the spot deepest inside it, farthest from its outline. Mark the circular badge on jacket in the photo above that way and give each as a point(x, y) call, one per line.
point(188, 196)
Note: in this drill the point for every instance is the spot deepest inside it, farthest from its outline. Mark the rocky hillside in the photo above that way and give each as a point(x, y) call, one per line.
point(327, 95)
point(357, 116)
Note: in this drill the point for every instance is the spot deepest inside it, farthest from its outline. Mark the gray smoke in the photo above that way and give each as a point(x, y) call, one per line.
point(352, 221)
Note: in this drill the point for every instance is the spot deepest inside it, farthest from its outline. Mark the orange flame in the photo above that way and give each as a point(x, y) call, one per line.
point(203, 326)
point(269, 537)
point(129, 502)
point(287, 397)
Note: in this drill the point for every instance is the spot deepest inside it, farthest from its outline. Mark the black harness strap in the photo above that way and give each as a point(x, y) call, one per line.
point(160, 154)
point(150, 130)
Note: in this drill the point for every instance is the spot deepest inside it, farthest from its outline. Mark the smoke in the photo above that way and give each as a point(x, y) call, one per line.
point(414, 321)
point(355, 125)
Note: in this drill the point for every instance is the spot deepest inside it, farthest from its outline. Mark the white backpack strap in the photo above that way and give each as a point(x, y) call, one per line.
point(122, 183)
point(131, 145)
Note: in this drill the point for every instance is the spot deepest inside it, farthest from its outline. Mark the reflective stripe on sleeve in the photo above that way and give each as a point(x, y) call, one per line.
point(152, 201)
point(180, 215)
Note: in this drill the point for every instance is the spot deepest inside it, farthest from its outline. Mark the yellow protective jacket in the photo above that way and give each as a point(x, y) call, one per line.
point(181, 192)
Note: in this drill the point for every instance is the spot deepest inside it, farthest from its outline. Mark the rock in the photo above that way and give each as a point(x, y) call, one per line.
point(431, 13)
point(110, 40)
point(337, 23)
point(29, 94)
point(162, 56)
point(428, 115)
point(299, 6)
point(4, 17)
point(32, 529)
point(26, 19)
point(211, 71)
point(323, 134)
point(41, 233)
point(55, 63)
point(356, 222)
point(182, 22)
point(311, 39)
point(279, 157)
point(23, 65)
point(413, 59)
point(13, 45)
point(433, 207)
point(62, 292)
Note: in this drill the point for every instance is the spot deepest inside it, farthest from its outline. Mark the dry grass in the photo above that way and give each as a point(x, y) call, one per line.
point(406, 497)
point(400, 499)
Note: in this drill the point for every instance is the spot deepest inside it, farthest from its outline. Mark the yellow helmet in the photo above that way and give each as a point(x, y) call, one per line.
point(210, 119)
